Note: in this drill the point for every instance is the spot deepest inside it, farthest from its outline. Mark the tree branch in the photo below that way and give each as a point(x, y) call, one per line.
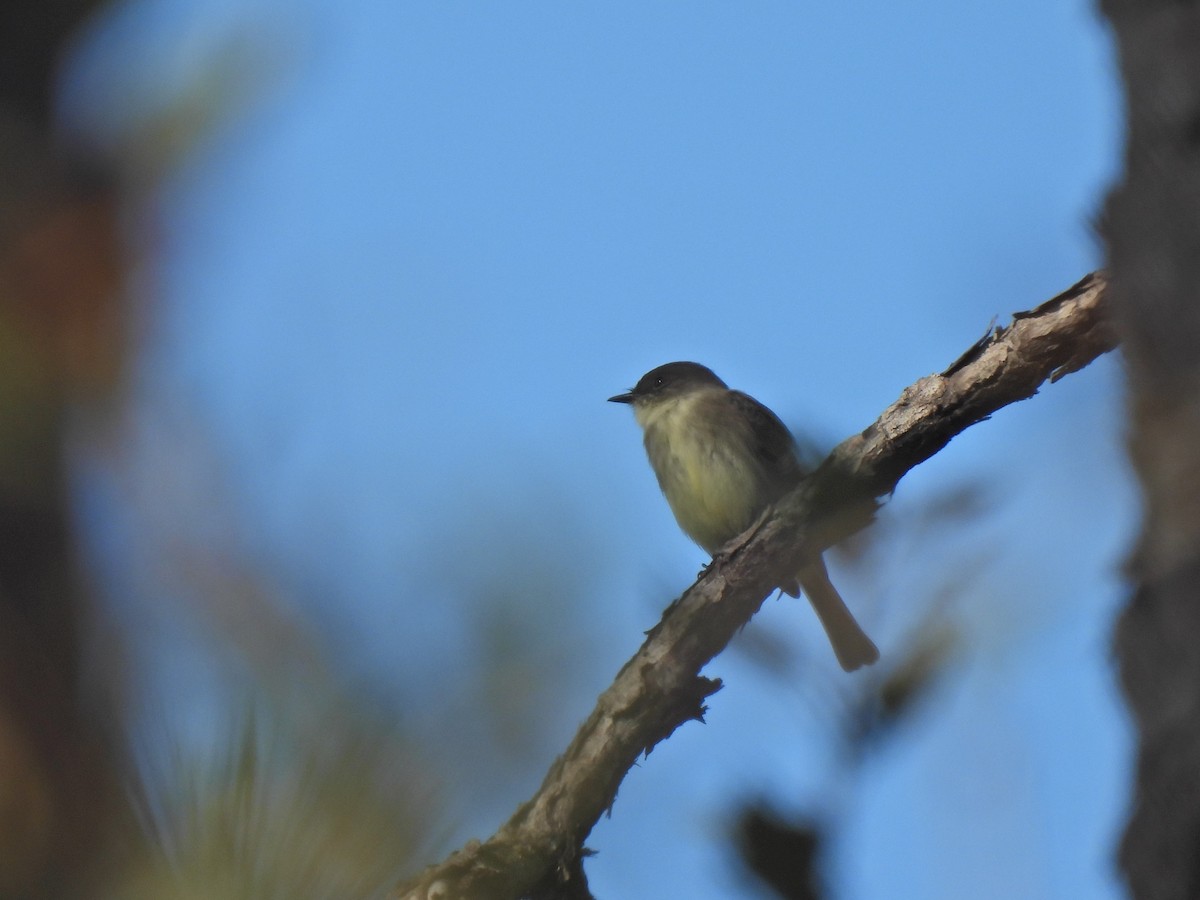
point(538, 851)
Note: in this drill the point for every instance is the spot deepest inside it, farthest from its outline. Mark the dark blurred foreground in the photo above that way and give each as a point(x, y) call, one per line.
point(293, 798)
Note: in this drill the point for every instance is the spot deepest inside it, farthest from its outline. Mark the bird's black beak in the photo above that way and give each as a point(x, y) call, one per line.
point(627, 397)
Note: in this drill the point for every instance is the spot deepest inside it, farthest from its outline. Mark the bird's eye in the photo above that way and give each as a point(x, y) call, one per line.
point(658, 382)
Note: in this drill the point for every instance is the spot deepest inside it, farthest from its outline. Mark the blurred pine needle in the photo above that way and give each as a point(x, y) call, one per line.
point(337, 810)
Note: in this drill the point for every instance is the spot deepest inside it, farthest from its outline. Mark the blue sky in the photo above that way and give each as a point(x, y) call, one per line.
point(397, 284)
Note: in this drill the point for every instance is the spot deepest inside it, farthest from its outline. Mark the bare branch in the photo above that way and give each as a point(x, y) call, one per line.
point(537, 852)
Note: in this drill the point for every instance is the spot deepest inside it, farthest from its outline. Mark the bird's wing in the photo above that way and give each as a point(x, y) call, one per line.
point(775, 445)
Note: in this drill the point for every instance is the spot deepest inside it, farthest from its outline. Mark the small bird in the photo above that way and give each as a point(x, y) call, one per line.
point(721, 458)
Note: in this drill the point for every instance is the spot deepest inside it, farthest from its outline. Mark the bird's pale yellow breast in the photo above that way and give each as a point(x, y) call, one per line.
point(707, 476)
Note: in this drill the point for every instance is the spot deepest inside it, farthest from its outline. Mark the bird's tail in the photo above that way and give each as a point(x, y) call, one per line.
point(850, 643)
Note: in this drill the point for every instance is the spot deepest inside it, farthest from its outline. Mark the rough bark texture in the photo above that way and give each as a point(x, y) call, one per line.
point(1152, 228)
point(537, 852)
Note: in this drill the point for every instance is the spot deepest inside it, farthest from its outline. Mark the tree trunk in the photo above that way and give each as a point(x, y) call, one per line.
point(1152, 228)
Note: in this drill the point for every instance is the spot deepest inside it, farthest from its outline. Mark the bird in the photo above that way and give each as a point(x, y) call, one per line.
point(722, 459)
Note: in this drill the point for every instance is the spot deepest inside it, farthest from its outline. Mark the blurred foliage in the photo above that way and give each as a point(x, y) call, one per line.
point(859, 714)
point(297, 792)
point(780, 853)
point(336, 808)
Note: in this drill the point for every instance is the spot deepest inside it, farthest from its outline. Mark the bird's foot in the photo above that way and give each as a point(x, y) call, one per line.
point(731, 549)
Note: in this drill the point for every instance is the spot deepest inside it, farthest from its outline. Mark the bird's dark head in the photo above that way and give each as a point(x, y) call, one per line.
point(668, 382)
